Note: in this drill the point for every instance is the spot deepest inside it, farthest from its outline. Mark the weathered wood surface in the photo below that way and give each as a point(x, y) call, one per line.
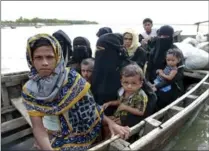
point(14, 76)
point(151, 124)
point(156, 134)
point(118, 145)
point(7, 109)
point(13, 124)
point(104, 145)
point(17, 102)
point(198, 74)
point(16, 136)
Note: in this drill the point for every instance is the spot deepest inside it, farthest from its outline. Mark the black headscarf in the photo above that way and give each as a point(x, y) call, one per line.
point(81, 49)
point(104, 30)
point(65, 43)
point(106, 73)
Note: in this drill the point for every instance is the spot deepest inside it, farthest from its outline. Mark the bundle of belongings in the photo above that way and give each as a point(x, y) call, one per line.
point(196, 52)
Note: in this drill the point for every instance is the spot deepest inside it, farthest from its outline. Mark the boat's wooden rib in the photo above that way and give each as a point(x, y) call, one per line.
point(198, 74)
point(154, 134)
point(206, 83)
point(119, 145)
point(151, 124)
point(192, 96)
point(173, 111)
point(176, 108)
point(13, 124)
point(7, 109)
point(16, 136)
point(17, 102)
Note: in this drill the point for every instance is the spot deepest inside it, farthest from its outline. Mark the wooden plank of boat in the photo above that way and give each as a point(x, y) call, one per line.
point(16, 136)
point(206, 83)
point(192, 96)
point(13, 124)
point(14, 76)
point(17, 102)
point(196, 73)
point(104, 144)
point(157, 133)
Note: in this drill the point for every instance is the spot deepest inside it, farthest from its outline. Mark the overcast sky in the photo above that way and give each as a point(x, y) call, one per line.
point(109, 12)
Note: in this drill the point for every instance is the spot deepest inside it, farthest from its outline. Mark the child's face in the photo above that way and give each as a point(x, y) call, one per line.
point(131, 84)
point(147, 26)
point(86, 72)
point(172, 60)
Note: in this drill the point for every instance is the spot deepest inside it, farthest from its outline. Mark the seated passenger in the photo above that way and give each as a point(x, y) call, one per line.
point(65, 43)
point(173, 57)
point(87, 66)
point(163, 82)
point(110, 57)
point(132, 100)
point(103, 30)
point(81, 50)
point(135, 52)
point(62, 110)
point(148, 33)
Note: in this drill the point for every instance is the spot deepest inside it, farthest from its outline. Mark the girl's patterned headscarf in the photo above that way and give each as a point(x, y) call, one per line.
point(57, 92)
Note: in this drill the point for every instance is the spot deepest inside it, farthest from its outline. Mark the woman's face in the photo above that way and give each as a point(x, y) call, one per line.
point(44, 60)
point(127, 40)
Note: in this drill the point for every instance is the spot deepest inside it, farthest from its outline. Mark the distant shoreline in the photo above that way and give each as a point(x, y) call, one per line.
point(38, 22)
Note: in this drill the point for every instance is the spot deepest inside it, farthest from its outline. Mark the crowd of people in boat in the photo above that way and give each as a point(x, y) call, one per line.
point(75, 101)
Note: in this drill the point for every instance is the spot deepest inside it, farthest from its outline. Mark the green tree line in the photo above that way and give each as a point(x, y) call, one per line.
point(41, 20)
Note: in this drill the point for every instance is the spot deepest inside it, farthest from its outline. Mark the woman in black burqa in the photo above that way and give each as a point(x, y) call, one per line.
point(103, 30)
point(157, 60)
point(65, 43)
point(110, 57)
point(81, 50)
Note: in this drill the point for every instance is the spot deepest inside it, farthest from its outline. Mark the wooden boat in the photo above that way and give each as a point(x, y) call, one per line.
point(154, 130)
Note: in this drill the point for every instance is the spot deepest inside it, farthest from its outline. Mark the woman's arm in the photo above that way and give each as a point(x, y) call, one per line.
point(40, 133)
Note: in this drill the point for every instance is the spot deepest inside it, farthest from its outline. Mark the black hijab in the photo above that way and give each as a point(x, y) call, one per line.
point(104, 30)
point(81, 49)
point(65, 43)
